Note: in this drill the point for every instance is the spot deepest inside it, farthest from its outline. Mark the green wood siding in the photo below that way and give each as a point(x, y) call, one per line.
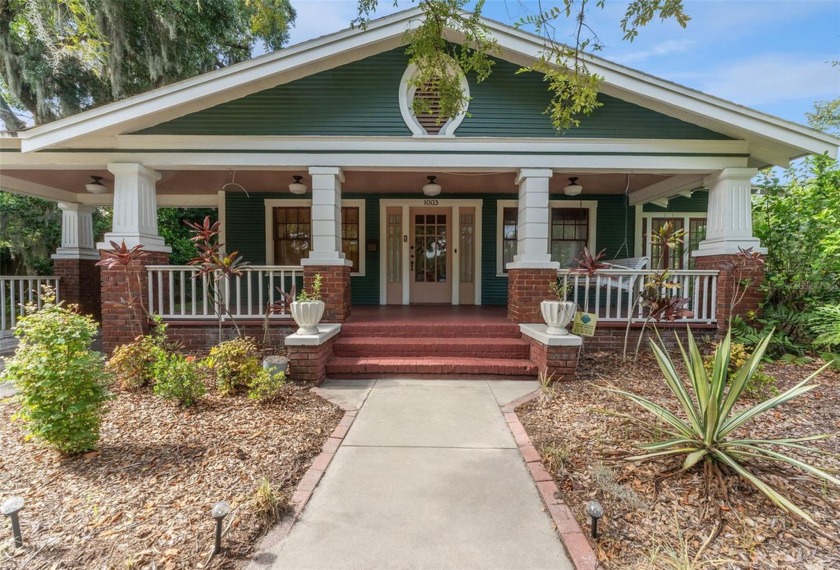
point(361, 99)
point(246, 220)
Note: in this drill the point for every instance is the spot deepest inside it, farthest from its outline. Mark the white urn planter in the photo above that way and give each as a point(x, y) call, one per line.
point(557, 315)
point(307, 314)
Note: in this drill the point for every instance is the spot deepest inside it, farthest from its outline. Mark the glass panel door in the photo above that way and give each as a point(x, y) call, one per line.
point(430, 262)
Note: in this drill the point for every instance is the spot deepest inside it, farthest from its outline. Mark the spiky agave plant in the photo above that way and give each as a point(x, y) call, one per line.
point(706, 433)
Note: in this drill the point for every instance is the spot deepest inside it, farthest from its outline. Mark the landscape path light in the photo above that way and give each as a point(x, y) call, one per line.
point(219, 511)
point(10, 509)
point(595, 512)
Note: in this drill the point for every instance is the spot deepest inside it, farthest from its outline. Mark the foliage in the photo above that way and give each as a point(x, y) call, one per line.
point(268, 503)
point(315, 292)
point(61, 380)
point(825, 323)
point(132, 364)
point(30, 230)
point(760, 383)
point(122, 256)
point(708, 403)
point(176, 233)
point(177, 378)
point(560, 290)
point(265, 386)
point(588, 263)
point(60, 57)
point(797, 217)
point(213, 261)
point(234, 363)
point(667, 238)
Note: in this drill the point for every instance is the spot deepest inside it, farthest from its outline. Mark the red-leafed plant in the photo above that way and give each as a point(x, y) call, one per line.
point(219, 266)
point(121, 256)
point(589, 264)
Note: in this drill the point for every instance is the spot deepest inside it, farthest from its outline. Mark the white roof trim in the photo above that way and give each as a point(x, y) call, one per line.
point(771, 139)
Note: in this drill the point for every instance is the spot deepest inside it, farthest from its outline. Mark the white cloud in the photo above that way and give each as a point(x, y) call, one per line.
point(768, 78)
point(667, 47)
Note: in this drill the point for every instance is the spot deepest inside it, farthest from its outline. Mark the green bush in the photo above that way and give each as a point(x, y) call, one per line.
point(61, 381)
point(177, 378)
point(235, 364)
point(132, 364)
point(760, 383)
point(708, 402)
point(265, 386)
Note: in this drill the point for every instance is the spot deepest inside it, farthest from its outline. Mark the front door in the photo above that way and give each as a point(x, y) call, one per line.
point(430, 259)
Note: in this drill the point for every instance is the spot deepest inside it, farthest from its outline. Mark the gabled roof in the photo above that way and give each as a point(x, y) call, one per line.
point(771, 140)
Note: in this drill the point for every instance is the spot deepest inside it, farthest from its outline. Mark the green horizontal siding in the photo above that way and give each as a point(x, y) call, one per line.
point(361, 99)
point(246, 220)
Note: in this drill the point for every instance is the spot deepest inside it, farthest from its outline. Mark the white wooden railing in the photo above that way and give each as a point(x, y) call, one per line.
point(613, 294)
point(175, 292)
point(18, 291)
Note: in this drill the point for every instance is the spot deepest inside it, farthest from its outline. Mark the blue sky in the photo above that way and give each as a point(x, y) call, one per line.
point(771, 55)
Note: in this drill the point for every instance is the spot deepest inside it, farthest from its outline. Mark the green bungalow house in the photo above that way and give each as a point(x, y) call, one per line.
point(317, 165)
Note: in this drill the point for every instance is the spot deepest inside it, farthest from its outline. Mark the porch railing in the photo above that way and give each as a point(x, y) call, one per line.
point(613, 294)
point(17, 291)
point(175, 292)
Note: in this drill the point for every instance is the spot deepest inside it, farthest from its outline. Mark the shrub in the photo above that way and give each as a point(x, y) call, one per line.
point(177, 378)
point(61, 381)
point(760, 383)
point(706, 434)
point(235, 364)
point(132, 364)
point(265, 386)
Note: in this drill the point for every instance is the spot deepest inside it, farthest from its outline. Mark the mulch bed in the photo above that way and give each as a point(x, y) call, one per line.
point(657, 521)
point(143, 498)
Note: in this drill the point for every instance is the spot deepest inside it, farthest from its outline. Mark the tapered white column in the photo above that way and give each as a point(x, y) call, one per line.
point(135, 208)
point(76, 232)
point(533, 225)
point(326, 218)
point(729, 215)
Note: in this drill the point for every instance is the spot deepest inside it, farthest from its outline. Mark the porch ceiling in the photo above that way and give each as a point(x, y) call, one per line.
point(197, 182)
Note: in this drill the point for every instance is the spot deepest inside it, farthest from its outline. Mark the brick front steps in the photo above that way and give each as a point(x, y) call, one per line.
point(431, 350)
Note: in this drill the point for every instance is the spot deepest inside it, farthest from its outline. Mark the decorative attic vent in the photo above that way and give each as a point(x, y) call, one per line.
point(429, 119)
point(426, 124)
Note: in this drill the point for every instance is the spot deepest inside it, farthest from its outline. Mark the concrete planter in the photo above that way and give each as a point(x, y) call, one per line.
point(557, 315)
point(275, 364)
point(307, 315)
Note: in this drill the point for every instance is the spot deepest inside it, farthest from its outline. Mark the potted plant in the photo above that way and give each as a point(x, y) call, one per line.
point(308, 308)
point(558, 312)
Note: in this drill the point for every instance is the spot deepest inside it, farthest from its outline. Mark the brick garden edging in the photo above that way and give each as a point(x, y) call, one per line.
point(307, 484)
point(571, 535)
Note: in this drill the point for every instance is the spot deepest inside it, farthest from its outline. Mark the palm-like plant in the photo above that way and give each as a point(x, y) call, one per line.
point(707, 432)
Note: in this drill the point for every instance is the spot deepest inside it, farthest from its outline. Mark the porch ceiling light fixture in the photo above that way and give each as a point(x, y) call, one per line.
point(573, 189)
point(431, 188)
point(297, 187)
point(95, 185)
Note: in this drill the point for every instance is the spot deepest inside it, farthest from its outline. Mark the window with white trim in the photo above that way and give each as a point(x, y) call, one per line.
point(662, 256)
point(289, 235)
point(572, 227)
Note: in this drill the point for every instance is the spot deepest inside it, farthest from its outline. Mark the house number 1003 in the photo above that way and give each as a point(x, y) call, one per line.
point(430, 202)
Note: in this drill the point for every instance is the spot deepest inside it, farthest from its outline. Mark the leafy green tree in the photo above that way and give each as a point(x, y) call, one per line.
point(60, 57)
point(30, 231)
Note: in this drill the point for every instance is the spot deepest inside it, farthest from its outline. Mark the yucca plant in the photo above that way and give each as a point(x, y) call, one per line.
point(707, 432)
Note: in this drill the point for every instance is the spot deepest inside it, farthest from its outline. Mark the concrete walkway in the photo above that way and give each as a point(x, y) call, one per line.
point(429, 476)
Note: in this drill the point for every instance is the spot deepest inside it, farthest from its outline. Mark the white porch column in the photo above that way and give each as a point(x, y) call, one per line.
point(76, 232)
point(135, 208)
point(326, 218)
point(729, 217)
point(533, 226)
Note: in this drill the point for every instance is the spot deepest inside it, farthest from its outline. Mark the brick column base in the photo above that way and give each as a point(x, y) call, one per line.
point(79, 285)
point(560, 361)
point(335, 290)
point(120, 323)
point(309, 363)
point(738, 286)
point(526, 289)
